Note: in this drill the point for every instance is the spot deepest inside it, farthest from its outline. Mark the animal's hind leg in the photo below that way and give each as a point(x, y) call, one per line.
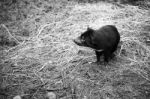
point(112, 55)
point(114, 48)
point(98, 54)
point(107, 55)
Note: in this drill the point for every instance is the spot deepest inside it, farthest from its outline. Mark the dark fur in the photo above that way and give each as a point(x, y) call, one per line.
point(106, 39)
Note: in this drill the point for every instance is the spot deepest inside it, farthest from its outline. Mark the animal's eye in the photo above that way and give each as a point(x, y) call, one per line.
point(82, 38)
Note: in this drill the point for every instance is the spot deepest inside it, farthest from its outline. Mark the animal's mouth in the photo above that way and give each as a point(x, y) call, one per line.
point(78, 42)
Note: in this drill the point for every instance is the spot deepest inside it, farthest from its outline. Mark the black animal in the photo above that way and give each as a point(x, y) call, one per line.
point(104, 41)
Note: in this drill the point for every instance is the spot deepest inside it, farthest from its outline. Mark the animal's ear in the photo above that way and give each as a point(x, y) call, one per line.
point(90, 31)
point(88, 28)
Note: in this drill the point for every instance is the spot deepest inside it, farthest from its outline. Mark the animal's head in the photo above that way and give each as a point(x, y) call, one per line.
point(86, 38)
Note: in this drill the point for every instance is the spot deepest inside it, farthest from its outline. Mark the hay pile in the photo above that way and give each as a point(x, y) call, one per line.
point(46, 60)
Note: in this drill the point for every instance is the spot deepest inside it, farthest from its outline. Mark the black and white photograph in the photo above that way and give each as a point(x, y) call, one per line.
point(74, 49)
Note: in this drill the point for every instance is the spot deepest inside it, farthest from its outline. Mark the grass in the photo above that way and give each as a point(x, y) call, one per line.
point(46, 59)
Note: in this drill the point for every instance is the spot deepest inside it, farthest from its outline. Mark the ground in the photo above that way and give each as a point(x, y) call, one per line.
point(46, 59)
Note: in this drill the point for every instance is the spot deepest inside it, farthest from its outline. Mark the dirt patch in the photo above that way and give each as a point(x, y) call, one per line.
point(45, 58)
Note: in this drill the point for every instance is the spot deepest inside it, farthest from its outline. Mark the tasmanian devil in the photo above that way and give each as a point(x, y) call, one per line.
point(104, 41)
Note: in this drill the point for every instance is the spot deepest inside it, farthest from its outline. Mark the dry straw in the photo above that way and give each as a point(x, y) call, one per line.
point(50, 61)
